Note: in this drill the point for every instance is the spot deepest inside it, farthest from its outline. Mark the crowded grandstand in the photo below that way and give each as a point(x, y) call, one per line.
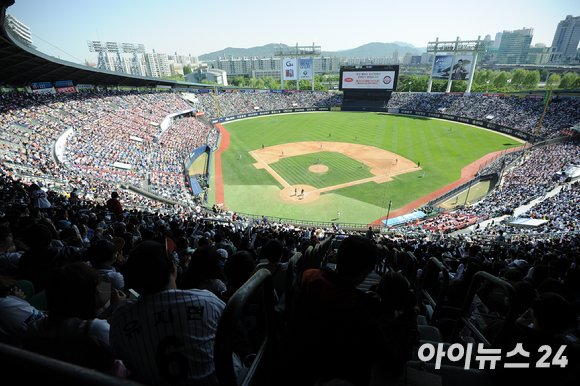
point(113, 263)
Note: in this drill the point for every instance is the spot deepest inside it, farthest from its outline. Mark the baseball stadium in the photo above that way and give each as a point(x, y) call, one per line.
point(163, 232)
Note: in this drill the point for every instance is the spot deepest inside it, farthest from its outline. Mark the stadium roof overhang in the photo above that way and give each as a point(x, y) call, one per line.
point(21, 65)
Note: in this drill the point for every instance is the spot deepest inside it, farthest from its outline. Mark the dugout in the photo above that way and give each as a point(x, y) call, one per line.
point(197, 169)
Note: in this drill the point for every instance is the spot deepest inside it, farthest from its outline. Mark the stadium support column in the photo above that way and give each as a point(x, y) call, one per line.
point(451, 68)
point(472, 71)
point(432, 66)
point(313, 49)
point(297, 69)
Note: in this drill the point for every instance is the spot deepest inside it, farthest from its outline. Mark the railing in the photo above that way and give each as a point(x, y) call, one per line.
point(460, 188)
point(465, 321)
point(253, 218)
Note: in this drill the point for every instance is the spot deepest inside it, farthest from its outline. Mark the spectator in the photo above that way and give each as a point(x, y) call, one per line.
point(332, 333)
point(164, 316)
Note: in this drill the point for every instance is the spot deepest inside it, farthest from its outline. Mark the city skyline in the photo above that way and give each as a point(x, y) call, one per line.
point(61, 28)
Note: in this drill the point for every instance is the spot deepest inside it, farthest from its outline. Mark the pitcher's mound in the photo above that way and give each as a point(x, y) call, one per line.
point(318, 168)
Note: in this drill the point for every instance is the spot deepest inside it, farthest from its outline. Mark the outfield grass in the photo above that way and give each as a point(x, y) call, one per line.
point(441, 152)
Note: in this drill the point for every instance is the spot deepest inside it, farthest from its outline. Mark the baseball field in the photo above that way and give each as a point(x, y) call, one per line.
point(313, 165)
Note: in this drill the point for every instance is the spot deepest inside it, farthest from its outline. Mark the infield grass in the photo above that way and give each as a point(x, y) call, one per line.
point(341, 169)
point(442, 153)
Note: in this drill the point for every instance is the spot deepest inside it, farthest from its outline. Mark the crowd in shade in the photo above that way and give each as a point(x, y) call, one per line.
point(519, 113)
point(194, 262)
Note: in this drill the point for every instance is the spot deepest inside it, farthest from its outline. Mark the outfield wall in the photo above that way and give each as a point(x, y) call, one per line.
point(271, 112)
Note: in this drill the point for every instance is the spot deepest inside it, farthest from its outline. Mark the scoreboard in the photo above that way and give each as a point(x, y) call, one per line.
point(369, 77)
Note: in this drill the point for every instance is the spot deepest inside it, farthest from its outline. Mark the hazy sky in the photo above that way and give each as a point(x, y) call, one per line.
point(62, 27)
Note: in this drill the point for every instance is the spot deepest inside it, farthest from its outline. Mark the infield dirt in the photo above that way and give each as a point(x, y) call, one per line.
point(383, 164)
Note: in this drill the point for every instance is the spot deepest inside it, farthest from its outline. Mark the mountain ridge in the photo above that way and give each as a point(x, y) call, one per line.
point(374, 49)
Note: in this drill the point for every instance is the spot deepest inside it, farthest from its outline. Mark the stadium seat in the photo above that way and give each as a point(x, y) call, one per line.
point(434, 289)
point(467, 325)
point(260, 371)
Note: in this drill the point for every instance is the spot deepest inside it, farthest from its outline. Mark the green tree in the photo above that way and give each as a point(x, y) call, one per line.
point(186, 70)
point(439, 85)
point(458, 86)
point(420, 84)
point(519, 78)
point(576, 84)
point(272, 84)
point(544, 75)
point(568, 80)
point(305, 85)
point(491, 75)
point(237, 81)
point(532, 80)
point(553, 81)
point(500, 82)
point(479, 77)
point(318, 86)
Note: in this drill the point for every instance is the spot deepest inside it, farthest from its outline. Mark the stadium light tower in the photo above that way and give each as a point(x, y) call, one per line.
point(104, 48)
point(454, 67)
point(97, 46)
point(297, 67)
point(130, 48)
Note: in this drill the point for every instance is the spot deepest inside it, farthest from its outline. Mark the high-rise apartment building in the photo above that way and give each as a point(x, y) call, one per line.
point(566, 39)
point(514, 46)
point(246, 66)
point(497, 40)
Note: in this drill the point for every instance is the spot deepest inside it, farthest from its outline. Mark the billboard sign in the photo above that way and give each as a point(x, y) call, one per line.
point(63, 83)
point(40, 85)
point(50, 90)
point(361, 79)
point(306, 68)
point(64, 90)
point(289, 69)
point(461, 67)
point(460, 70)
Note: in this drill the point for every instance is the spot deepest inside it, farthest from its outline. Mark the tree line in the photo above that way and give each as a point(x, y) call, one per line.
point(493, 82)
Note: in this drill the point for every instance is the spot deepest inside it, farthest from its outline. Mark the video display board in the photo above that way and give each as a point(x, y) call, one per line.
point(369, 78)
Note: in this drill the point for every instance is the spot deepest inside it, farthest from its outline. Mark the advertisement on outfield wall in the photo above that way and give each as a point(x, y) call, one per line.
point(460, 69)
point(289, 69)
point(306, 68)
point(361, 79)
